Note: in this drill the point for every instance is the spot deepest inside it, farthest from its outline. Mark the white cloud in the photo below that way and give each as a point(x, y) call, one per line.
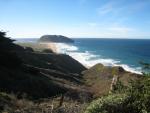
point(107, 8)
point(119, 8)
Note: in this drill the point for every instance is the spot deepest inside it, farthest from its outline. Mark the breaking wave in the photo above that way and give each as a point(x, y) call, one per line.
point(89, 59)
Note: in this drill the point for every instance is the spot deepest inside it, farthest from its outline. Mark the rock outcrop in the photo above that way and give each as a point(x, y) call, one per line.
point(55, 38)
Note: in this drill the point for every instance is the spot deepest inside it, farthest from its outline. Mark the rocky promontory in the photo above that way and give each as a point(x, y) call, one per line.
point(55, 38)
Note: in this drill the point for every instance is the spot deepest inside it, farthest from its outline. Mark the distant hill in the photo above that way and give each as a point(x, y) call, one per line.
point(55, 38)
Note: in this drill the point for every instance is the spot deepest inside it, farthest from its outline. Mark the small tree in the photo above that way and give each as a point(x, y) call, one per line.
point(8, 56)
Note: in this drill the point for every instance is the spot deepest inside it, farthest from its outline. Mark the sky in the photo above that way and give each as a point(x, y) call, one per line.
point(76, 18)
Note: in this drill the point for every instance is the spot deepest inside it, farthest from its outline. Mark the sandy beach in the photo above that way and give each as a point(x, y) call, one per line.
point(40, 46)
point(51, 46)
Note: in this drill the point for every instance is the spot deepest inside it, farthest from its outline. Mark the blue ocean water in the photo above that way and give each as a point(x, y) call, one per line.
point(110, 52)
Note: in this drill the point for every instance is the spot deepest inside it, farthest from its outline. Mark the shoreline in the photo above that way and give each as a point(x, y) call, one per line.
point(51, 46)
point(88, 64)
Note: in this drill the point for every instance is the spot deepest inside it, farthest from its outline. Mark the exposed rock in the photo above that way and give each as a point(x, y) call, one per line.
point(55, 38)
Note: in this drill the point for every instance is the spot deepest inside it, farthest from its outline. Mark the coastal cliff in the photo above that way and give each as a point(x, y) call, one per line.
point(37, 79)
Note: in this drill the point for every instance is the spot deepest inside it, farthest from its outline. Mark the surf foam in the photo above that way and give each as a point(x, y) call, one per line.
point(88, 59)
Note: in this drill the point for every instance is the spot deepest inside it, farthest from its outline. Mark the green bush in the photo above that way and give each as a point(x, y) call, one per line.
point(135, 100)
point(8, 56)
point(139, 93)
point(47, 51)
point(107, 104)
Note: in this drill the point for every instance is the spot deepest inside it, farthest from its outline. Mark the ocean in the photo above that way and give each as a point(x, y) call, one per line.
point(126, 53)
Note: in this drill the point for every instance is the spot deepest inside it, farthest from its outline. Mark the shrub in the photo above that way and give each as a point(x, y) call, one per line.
point(47, 51)
point(8, 56)
point(107, 104)
point(135, 100)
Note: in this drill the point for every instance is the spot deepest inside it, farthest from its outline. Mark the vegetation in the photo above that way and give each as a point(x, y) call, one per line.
point(55, 38)
point(47, 51)
point(9, 103)
point(132, 99)
point(107, 104)
point(99, 79)
point(8, 57)
point(36, 74)
point(31, 80)
point(35, 79)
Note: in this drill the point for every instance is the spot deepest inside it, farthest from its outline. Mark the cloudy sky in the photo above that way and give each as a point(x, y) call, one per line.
point(76, 18)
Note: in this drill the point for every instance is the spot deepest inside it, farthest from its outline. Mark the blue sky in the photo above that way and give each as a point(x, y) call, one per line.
point(76, 18)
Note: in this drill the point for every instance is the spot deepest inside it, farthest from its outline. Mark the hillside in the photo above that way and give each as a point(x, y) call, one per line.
point(99, 78)
point(36, 74)
point(37, 79)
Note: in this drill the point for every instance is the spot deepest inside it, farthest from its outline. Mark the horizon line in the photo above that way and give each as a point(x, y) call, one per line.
point(87, 38)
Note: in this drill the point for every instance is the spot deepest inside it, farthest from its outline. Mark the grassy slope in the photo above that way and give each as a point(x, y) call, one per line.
point(40, 75)
point(50, 74)
point(99, 78)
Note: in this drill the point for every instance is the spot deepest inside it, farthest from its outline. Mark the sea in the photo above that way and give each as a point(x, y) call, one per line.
point(127, 53)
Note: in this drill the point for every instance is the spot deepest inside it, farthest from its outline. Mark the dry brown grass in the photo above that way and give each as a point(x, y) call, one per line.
point(50, 105)
point(99, 78)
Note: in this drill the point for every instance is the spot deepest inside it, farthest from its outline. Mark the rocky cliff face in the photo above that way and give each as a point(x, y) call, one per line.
point(56, 39)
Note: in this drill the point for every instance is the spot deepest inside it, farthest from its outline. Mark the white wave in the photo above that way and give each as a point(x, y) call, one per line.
point(88, 59)
point(64, 48)
point(130, 69)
